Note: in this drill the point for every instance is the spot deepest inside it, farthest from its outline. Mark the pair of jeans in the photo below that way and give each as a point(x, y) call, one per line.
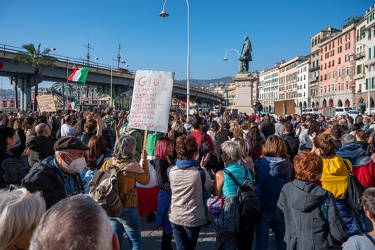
point(130, 220)
point(118, 229)
point(275, 221)
point(185, 237)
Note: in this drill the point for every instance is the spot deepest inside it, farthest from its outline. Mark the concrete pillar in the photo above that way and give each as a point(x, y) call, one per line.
point(25, 96)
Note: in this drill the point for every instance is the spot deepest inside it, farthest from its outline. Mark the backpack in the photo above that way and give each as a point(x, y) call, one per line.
point(354, 192)
point(204, 149)
point(104, 190)
point(248, 204)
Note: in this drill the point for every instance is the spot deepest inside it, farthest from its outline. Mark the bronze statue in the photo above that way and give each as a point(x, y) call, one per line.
point(245, 57)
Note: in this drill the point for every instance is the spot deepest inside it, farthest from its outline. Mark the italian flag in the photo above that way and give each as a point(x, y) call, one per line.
point(73, 105)
point(79, 75)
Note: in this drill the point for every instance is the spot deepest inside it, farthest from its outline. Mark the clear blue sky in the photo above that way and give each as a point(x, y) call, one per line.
point(278, 30)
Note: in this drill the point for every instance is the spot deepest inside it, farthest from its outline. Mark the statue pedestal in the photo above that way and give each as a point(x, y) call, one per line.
point(244, 92)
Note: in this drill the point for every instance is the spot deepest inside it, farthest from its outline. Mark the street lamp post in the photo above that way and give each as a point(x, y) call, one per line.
point(165, 14)
point(226, 59)
point(119, 56)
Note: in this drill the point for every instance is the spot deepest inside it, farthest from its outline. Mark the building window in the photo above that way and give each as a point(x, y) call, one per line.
point(4, 104)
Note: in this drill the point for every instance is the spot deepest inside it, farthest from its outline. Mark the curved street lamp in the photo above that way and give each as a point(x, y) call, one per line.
point(165, 14)
point(238, 53)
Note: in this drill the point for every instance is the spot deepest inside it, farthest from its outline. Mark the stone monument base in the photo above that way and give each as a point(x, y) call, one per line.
point(244, 92)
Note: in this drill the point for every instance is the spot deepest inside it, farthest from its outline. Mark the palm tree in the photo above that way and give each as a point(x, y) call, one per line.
point(60, 87)
point(37, 59)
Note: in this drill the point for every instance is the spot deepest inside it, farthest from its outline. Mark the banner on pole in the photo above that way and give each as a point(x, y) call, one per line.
point(151, 100)
point(46, 103)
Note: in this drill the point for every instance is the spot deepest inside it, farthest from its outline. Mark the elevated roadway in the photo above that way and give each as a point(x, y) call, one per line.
point(99, 75)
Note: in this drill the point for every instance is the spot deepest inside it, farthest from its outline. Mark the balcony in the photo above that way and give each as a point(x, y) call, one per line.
point(359, 55)
point(313, 79)
point(314, 68)
point(370, 62)
point(359, 76)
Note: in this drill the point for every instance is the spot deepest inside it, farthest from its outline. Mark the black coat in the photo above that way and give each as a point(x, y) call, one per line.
point(43, 177)
point(292, 145)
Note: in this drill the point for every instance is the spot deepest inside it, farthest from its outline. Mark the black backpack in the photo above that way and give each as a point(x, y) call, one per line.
point(249, 205)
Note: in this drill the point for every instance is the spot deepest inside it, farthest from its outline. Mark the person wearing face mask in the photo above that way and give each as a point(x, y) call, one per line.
point(58, 176)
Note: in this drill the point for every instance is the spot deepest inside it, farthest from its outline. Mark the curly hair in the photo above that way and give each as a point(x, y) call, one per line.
point(307, 166)
point(186, 147)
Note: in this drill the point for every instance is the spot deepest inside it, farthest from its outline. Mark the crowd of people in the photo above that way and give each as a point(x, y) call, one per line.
point(297, 165)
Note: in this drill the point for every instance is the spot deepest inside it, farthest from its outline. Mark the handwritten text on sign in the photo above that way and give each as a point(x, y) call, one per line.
point(46, 103)
point(151, 101)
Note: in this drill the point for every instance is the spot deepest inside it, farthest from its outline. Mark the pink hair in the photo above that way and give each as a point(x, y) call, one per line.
point(161, 147)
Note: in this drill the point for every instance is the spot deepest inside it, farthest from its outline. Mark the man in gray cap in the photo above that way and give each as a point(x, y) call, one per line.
point(58, 176)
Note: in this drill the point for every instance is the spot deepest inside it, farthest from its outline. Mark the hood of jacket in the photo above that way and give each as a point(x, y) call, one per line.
point(355, 154)
point(278, 165)
point(37, 141)
point(181, 164)
point(306, 196)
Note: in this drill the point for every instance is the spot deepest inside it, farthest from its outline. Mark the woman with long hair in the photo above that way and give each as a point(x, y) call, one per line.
point(273, 171)
point(163, 160)
point(246, 161)
point(255, 143)
point(21, 138)
point(94, 158)
point(12, 168)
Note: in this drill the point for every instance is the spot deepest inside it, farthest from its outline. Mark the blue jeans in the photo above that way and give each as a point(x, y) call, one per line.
point(130, 220)
point(118, 229)
point(186, 237)
point(275, 221)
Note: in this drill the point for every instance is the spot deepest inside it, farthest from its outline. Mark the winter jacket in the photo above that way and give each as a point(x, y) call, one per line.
point(335, 176)
point(43, 177)
point(307, 209)
point(130, 173)
point(292, 144)
point(187, 207)
point(363, 166)
point(272, 173)
point(12, 169)
point(41, 147)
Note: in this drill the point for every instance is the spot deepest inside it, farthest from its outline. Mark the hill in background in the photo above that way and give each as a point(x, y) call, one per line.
point(206, 83)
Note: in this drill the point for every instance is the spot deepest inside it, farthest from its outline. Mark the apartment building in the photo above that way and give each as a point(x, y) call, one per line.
point(336, 85)
point(303, 97)
point(364, 55)
point(314, 70)
point(269, 87)
point(288, 72)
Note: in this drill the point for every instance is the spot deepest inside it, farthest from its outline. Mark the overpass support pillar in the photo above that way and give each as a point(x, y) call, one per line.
point(25, 96)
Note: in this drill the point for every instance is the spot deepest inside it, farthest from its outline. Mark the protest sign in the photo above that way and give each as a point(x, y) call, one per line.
point(46, 103)
point(151, 100)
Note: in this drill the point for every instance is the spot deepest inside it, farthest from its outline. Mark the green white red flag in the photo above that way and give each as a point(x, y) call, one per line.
point(73, 105)
point(79, 75)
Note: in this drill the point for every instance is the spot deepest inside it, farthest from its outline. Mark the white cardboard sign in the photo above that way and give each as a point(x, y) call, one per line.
point(151, 100)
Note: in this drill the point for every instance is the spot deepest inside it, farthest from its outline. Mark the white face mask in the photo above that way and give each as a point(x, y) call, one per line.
point(76, 166)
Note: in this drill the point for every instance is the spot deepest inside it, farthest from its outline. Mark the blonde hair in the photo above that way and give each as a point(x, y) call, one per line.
point(20, 213)
point(177, 126)
point(242, 142)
